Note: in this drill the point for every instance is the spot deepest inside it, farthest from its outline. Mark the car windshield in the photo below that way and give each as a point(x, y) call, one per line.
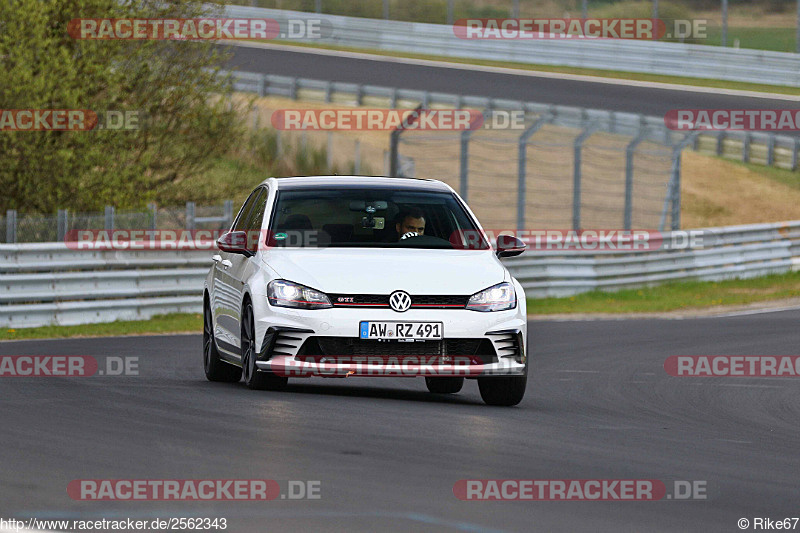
point(378, 217)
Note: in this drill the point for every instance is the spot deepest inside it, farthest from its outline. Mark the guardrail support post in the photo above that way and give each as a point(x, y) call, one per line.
point(522, 160)
point(293, 89)
point(262, 85)
point(795, 150)
point(359, 94)
point(576, 176)
point(357, 158)
point(329, 92)
point(61, 225)
point(630, 151)
point(109, 217)
point(720, 142)
point(771, 150)
point(11, 226)
point(746, 148)
point(190, 208)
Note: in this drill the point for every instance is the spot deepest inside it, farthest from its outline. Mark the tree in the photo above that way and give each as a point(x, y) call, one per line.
point(173, 85)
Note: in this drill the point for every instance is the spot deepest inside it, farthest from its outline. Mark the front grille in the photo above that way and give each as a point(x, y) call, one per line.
point(480, 351)
point(382, 300)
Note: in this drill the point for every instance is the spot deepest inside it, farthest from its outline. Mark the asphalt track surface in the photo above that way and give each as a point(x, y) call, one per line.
point(387, 453)
point(595, 95)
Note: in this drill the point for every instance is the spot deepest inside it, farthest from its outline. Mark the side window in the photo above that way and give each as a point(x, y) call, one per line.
point(240, 224)
point(256, 216)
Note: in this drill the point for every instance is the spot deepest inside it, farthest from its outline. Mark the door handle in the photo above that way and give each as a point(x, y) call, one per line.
point(216, 258)
point(226, 263)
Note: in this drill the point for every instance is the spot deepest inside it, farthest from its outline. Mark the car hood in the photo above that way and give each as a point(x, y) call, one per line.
point(383, 270)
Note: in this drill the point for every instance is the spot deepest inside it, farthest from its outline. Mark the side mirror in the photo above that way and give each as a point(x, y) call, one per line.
point(235, 242)
point(509, 246)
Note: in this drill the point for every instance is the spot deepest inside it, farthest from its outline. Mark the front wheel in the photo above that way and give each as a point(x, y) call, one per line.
point(253, 377)
point(503, 391)
point(449, 385)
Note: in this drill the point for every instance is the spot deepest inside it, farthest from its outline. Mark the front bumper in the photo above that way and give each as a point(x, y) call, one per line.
point(292, 338)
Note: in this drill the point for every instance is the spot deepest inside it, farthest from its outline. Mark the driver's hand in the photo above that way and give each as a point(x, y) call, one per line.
point(409, 234)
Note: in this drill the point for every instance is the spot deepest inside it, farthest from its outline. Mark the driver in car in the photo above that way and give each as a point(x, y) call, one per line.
point(410, 223)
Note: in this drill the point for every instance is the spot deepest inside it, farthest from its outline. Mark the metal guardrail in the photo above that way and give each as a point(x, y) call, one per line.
point(49, 283)
point(651, 57)
point(726, 253)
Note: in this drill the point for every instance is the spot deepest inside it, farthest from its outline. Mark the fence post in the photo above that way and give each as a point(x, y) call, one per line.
point(278, 143)
point(190, 208)
point(576, 176)
point(393, 101)
point(630, 151)
point(329, 91)
point(522, 160)
point(293, 89)
point(795, 149)
point(673, 196)
point(228, 210)
point(394, 140)
point(154, 213)
point(11, 226)
point(463, 181)
point(357, 158)
point(109, 217)
point(61, 225)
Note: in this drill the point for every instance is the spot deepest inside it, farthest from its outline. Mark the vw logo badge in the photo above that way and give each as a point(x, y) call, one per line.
point(399, 301)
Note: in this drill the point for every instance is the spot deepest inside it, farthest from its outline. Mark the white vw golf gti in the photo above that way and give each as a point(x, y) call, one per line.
point(338, 276)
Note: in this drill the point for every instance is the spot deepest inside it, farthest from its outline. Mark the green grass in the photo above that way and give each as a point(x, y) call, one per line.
point(172, 323)
point(675, 80)
point(673, 296)
point(775, 39)
point(790, 178)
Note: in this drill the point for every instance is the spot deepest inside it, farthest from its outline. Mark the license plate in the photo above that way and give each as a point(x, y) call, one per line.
point(402, 330)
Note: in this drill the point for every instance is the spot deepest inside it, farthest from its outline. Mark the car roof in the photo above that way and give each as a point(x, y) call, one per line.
point(316, 182)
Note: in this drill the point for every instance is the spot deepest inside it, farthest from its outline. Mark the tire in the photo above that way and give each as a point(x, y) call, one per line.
point(253, 377)
point(449, 385)
point(503, 391)
point(215, 368)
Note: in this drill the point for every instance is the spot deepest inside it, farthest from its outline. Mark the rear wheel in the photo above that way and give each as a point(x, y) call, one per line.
point(449, 385)
point(216, 369)
point(253, 377)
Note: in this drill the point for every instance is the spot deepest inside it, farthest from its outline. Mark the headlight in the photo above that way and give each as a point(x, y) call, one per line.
point(282, 293)
point(497, 298)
